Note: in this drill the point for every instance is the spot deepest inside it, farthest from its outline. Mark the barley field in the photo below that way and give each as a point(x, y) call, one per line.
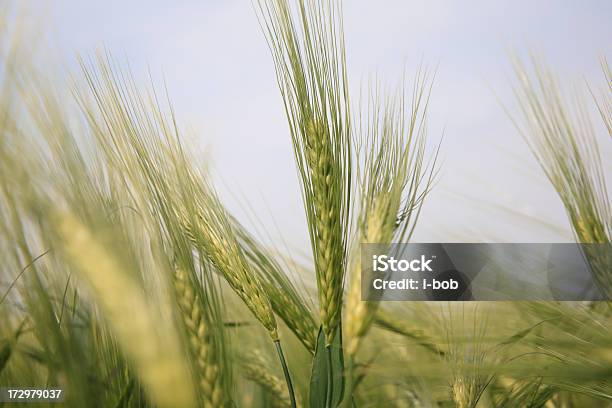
point(126, 280)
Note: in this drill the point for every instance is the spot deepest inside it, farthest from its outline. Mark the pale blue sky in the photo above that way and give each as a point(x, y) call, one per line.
point(220, 77)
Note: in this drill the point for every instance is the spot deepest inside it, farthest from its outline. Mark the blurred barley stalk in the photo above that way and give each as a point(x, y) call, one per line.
point(566, 145)
point(394, 182)
point(144, 336)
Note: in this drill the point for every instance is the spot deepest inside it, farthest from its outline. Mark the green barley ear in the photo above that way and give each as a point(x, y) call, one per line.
point(286, 301)
point(200, 326)
point(394, 182)
point(306, 40)
point(467, 355)
point(565, 144)
point(211, 230)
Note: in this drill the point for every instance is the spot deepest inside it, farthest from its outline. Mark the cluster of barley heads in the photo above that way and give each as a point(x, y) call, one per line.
point(125, 281)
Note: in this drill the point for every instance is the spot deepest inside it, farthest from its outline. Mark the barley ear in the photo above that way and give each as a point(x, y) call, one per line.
point(394, 183)
point(199, 330)
point(210, 230)
point(308, 50)
point(284, 297)
point(565, 144)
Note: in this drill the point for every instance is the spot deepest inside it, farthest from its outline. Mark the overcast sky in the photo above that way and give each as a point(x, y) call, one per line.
point(221, 79)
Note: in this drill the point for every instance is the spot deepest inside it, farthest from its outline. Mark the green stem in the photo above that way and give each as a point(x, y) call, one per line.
point(281, 357)
point(330, 382)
